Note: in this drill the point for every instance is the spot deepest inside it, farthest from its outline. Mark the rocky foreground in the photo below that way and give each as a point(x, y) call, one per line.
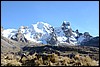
point(52, 56)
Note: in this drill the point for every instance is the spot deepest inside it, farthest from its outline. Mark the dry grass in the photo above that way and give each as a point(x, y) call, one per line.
point(50, 60)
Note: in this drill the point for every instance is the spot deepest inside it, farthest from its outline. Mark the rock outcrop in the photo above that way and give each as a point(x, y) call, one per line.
point(19, 37)
point(53, 38)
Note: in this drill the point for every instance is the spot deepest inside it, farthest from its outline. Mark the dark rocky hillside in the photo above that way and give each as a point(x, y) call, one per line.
point(65, 50)
point(92, 42)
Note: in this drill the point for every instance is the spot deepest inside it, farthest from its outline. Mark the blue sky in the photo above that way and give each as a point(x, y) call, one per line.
point(82, 15)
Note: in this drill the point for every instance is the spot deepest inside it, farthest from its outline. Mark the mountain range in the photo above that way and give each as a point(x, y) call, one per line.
point(44, 33)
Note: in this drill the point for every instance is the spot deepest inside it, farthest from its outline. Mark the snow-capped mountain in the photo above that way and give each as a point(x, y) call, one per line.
point(8, 33)
point(46, 34)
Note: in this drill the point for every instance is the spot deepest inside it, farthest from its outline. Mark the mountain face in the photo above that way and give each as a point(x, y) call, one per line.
point(46, 34)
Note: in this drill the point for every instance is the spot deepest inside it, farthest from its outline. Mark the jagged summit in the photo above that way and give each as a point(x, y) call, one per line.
point(44, 33)
point(67, 24)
